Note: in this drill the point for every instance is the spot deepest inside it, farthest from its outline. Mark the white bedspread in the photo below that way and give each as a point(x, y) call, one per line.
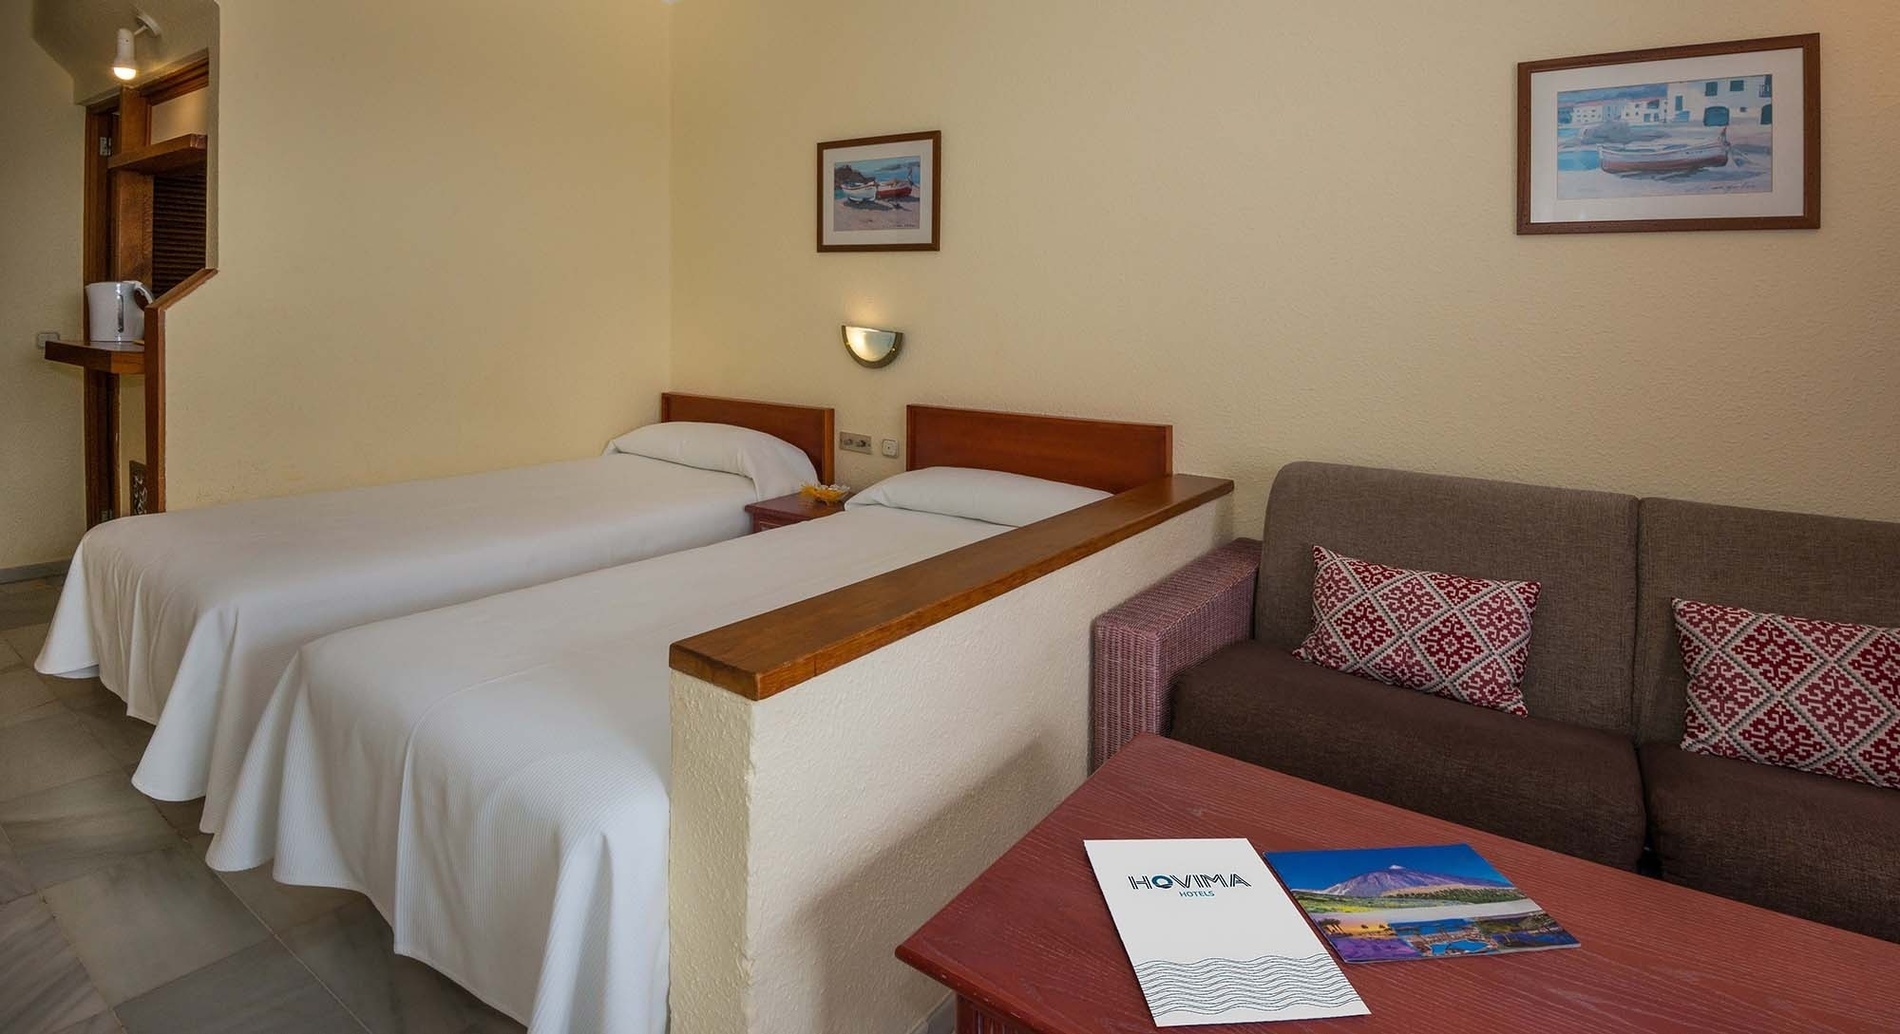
point(192, 616)
point(494, 775)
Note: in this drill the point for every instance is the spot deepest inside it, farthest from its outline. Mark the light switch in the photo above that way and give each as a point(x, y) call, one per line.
point(889, 447)
point(852, 442)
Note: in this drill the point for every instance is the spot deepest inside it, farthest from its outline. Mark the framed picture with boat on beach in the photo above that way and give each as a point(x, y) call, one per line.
point(880, 193)
point(1718, 136)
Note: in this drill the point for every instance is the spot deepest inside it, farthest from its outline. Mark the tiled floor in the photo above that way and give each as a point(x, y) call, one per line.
point(110, 920)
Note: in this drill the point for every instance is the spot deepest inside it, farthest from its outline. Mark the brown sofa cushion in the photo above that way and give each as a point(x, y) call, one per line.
point(1581, 546)
point(1808, 845)
point(1830, 568)
point(1564, 787)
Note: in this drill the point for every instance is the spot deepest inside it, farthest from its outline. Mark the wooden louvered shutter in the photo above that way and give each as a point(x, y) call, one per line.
point(178, 227)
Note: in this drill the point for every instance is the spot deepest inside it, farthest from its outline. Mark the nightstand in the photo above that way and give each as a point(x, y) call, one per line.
point(789, 509)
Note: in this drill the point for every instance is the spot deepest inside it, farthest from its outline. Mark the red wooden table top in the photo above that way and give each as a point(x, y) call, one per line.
point(1032, 942)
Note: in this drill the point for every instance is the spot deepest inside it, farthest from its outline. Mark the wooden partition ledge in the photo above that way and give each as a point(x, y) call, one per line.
point(768, 654)
point(808, 427)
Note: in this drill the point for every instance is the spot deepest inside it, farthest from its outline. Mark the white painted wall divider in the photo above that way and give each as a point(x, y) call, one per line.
point(814, 830)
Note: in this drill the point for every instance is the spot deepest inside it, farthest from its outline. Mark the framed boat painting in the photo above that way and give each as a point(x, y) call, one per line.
point(1721, 136)
point(880, 193)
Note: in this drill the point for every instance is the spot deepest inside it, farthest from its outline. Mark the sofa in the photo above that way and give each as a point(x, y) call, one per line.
point(1597, 770)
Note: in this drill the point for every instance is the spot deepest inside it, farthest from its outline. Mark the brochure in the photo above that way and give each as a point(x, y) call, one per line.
point(1213, 937)
point(1390, 903)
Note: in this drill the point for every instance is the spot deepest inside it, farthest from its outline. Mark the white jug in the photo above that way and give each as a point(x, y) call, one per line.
point(116, 315)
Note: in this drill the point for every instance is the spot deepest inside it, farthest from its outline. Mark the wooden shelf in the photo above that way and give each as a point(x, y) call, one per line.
point(103, 356)
point(178, 153)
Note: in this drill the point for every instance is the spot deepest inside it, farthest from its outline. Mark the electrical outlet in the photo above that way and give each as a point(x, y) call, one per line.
point(854, 442)
point(889, 447)
point(40, 339)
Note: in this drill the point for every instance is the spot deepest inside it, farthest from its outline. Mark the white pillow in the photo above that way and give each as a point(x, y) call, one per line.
point(776, 466)
point(981, 495)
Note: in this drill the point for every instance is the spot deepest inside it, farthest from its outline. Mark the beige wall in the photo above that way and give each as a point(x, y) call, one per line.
point(1203, 212)
point(41, 484)
point(190, 113)
point(443, 244)
point(131, 438)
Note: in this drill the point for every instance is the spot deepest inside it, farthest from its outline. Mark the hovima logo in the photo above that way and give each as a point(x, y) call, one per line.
point(1189, 885)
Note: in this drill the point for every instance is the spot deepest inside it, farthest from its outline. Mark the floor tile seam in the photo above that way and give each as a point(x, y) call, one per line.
point(292, 952)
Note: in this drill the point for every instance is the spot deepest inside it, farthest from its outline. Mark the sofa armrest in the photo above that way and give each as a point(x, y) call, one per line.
point(1140, 646)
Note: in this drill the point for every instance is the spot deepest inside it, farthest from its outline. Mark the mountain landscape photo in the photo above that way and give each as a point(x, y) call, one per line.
point(1384, 904)
point(1397, 879)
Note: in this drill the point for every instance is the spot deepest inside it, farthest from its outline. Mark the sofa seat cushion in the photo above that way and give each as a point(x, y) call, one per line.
point(1824, 849)
point(1561, 786)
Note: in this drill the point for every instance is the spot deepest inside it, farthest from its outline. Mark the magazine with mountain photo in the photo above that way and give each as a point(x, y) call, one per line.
point(1391, 903)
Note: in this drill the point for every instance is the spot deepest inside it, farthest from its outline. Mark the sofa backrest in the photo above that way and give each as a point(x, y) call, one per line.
point(1580, 545)
point(1831, 568)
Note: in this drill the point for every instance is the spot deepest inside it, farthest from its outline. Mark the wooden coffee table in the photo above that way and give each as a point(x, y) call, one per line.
point(1029, 945)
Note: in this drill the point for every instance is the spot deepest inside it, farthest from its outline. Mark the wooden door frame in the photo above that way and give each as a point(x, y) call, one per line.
point(117, 245)
point(101, 124)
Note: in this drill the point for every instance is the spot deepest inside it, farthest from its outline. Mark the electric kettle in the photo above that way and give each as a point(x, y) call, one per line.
point(115, 311)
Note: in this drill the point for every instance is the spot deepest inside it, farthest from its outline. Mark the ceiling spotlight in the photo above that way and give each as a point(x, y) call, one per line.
point(125, 63)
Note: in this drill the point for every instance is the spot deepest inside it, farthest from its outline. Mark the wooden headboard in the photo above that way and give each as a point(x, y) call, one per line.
point(1103, 454)
point(808, 427)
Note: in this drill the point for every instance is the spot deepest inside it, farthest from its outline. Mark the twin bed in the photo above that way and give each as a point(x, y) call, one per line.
point(495, 774)
point(191, 617)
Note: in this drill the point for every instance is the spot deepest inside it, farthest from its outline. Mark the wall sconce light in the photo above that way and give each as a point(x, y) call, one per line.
point(125, 63)
point(873, 347)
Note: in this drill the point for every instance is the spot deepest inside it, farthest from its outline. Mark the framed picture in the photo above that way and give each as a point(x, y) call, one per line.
point(1721, 136)
point(880, 193)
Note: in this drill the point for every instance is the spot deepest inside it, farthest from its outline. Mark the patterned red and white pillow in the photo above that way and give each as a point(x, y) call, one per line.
point(1818, 696)
point(1457, 637)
